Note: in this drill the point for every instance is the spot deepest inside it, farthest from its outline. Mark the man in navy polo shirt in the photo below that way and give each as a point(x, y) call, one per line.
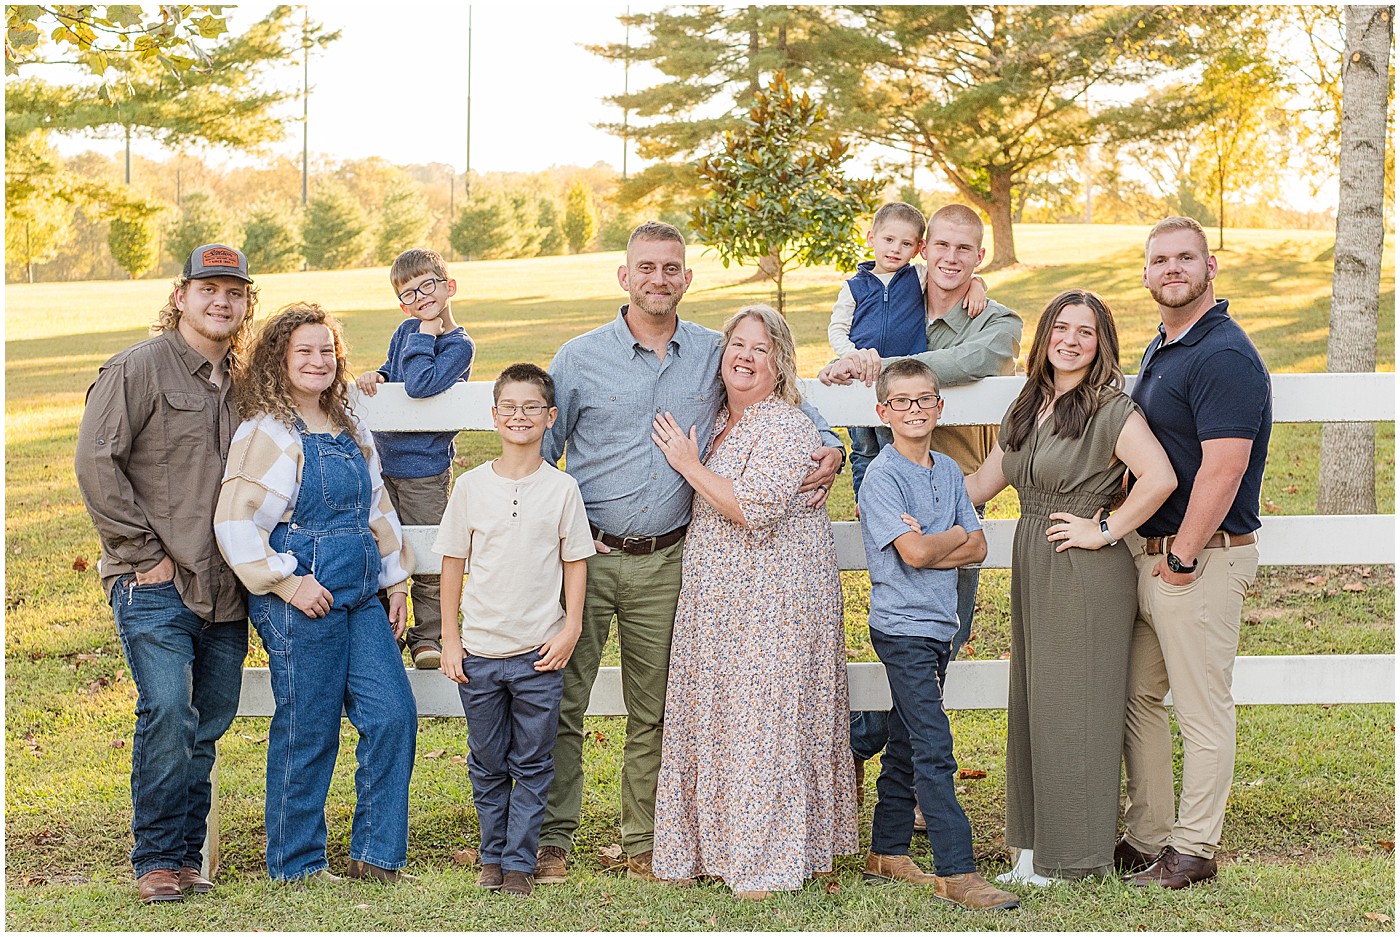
point(1206, 395)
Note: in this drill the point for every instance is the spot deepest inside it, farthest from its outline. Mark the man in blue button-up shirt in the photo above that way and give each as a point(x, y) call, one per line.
point(610, 384)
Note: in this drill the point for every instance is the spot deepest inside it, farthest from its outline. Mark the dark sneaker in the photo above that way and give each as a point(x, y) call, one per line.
point(427, 655)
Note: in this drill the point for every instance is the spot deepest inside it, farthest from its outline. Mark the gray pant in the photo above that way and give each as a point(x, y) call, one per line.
point(420, 502)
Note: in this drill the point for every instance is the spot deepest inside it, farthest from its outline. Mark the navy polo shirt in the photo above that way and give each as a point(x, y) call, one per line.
point(1208, 384)
point(904, 600)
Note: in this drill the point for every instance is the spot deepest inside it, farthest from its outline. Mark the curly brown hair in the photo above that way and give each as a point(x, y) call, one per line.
point(262, 384)
point(168, 319)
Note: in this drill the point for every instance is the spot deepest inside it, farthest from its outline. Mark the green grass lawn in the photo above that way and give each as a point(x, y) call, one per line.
point(1314, 786)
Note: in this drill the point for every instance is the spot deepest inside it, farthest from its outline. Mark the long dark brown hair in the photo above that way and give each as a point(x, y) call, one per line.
point(1076, 406)
point(262, 384)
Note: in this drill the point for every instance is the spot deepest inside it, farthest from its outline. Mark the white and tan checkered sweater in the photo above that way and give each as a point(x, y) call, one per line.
point(260, 490)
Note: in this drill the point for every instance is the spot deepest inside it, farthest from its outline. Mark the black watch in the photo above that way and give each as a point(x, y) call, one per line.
point(1176, 566)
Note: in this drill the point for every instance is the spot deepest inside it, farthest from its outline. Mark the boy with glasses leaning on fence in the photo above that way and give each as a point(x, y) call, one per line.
point(428, 353)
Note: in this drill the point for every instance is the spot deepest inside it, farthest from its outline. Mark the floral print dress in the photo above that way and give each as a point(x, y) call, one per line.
point(757, 784)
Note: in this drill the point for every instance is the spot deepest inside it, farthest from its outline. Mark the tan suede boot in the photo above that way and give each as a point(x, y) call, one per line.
point(884, 869)
point(973, 891)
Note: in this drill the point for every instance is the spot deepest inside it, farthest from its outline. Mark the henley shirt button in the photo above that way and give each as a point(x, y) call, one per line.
point(653, 475)
point(513, 514)
point(644, 510)
point(612, 397)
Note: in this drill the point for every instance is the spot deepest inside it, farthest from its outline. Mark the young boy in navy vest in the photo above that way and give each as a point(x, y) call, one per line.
point(882, 307)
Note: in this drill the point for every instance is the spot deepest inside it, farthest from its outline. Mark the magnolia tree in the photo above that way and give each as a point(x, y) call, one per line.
point(775, 193)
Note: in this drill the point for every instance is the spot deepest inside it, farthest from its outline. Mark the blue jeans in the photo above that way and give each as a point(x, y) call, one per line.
point(866, 443)
point(188, 674)
point(919, 757)
point(346, 658)
point(512, 714)
point(870, 730)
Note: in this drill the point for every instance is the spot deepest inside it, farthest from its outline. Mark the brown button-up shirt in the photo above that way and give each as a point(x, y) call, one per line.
point(151, 450)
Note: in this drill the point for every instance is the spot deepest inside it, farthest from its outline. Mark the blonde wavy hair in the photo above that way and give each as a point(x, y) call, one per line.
point(782, 349)
point(262, 384)
point(168, 319)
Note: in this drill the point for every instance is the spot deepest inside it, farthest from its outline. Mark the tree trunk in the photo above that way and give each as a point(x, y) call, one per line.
point(1347, 473)
point(1220, 191)
point(770, 267)
point(128, 156)
point(782, 311)
point(1004, 244)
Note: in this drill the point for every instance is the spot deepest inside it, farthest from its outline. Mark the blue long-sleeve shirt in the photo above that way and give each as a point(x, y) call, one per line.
point(608, 389)
point(426, 365)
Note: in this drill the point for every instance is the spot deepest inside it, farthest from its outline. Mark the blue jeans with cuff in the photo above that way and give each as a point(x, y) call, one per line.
point(919, 757)
point(188, 675)
point(512, 714)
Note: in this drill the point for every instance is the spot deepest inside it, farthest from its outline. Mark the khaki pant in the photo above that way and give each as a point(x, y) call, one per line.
point(641, 591)
point(420, 502)
point(1184, 639)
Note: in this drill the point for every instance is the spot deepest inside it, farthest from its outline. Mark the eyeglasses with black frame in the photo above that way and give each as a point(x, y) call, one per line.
point(410, 295)
point(529, 409)
point(926, 402)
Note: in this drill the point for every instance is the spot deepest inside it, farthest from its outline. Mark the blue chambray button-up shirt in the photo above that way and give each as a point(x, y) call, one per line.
point(609, 388)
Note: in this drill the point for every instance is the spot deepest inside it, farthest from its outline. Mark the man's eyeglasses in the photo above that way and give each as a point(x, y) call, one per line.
point(409, 296)
point(926, 402)
point(529, 409)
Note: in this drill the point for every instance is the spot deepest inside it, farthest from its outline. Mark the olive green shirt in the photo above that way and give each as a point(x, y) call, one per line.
point(151, 450)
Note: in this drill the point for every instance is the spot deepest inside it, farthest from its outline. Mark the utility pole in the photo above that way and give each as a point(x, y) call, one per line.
point(451, 208)
point(626, 70)
point(305, 93)
point(467, 177)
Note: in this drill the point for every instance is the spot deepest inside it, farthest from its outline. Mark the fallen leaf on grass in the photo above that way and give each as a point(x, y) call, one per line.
point(970, 774)
point(456, 759)
point(436, 753)
point(119, 743)
point(1005, 655)
point(606, 899)
point(361, 907)
point(1316, 580)
point(600, 739)
point(968, 650)
point(1291, 489)
point(1366, 572)
point(1353, 587)
point(714, 920)
point(80, 564)
point(1270, 507)
point(1377, 917)
point(1386, 844)
point(465, 856)
point(833, 888)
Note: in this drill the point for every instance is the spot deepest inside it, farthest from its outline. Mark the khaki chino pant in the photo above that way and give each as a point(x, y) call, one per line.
point(421, 502)
point(1184, 639)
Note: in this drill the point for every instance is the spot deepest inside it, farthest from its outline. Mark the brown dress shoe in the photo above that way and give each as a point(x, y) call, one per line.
point(860, 781)
point(639, 867)
point(551, 866)
point(366, 870)
point(885, 869)
point(159, 885)
point(191, 880)
point(1127, 859)
point(974, 892)
point(490, 876)
point(517, 883)
point(1176, 870)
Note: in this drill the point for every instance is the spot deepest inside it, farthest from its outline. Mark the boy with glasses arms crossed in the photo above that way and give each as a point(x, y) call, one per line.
point(428, 353)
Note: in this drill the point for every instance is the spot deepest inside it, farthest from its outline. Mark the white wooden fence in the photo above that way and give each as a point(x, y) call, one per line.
point(1283, 541)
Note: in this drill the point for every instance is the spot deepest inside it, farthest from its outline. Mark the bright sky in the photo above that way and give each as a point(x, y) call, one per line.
point(395, 86)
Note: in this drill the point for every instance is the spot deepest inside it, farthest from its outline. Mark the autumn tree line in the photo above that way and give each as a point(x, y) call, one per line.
point(1031, 114)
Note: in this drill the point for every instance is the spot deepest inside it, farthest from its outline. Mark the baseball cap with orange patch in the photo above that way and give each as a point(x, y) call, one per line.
point(216, 260)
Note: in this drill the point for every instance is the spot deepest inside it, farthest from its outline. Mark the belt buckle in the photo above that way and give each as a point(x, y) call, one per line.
point(638, 546)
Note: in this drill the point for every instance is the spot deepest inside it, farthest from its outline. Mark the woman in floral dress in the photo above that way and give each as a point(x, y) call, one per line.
point(757, 786)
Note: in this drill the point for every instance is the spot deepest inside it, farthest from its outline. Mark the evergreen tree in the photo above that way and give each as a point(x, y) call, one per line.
point(132, 239)
point(270, 240)
point(580, 217)
point(552, 240)
point(335, 233)
point(481, 231)
point(403, 221)
point(202, 220)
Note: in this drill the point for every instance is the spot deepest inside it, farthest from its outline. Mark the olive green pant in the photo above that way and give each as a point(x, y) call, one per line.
point(641, 591)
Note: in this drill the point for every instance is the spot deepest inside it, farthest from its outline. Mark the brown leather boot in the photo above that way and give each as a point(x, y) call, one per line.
point(367, 870)
point(159, 885)
point(974, 892)
point(516, 883)
point(885, 869)
point(639, 867)
point(860, 781)
point(191, 880)
point(551, 866)
point(490, 876)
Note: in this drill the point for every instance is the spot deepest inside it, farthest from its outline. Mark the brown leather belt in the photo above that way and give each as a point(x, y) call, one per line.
point(639, 546)
point(1160, 545)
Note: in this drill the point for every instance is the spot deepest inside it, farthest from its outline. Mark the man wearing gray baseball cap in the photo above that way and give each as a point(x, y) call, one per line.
point(151, 450)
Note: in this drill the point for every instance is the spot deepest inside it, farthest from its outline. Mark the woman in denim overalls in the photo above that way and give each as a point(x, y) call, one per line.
point(304, 521)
